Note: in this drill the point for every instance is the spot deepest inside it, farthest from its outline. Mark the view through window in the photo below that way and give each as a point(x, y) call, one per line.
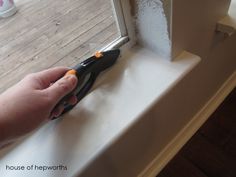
point(47, 33)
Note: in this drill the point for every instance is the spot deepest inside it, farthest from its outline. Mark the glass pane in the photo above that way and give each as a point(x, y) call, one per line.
point(46, 33)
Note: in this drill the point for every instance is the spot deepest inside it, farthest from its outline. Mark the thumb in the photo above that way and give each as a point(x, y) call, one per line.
point(62, 87)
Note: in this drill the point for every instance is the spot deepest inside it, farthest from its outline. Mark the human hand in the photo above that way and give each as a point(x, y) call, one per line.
point(32, 101)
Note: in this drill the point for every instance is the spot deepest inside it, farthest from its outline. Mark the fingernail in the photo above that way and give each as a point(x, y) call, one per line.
point(71, 78)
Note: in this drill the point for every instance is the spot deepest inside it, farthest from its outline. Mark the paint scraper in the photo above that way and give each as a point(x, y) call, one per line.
point(87, 72)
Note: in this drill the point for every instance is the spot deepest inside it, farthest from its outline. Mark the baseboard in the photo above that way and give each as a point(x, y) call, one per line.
point(190, 129)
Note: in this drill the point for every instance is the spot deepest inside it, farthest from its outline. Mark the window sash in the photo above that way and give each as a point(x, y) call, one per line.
point(120, 16)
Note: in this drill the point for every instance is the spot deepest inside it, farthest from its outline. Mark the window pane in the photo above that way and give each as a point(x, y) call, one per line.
point(46, 33)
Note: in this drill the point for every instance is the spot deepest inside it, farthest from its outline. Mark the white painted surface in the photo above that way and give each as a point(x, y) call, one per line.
point(152, 25)
point(119, 16)
point(193, 29)
point(132, 141)
point(134, 84)
point(194, 25)
point(189, 129)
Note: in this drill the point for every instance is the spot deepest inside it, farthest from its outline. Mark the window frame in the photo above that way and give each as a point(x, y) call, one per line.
point(121, 11)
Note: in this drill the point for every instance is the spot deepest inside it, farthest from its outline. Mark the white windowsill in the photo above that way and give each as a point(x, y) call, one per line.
point(120, 96)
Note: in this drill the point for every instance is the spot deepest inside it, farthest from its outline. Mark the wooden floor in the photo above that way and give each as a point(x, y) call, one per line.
point(46, 33)
point(212, 150)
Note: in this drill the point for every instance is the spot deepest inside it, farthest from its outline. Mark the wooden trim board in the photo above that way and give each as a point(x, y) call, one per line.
point(189, 130)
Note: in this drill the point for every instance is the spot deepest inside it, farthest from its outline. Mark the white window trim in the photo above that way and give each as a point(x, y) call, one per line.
point(83, 142)
point(121, 9)
point(119, 16)
point(112, 116)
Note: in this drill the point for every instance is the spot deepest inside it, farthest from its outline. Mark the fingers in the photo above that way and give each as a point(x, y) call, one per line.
point(59, 109)
point(51, 75)
point(72, 100)
point(61, 88)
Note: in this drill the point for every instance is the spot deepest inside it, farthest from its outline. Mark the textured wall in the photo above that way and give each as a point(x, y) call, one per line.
point(152, 19)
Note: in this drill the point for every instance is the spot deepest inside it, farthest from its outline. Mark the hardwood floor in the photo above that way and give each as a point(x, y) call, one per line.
point(211, 152)
point(46, 33)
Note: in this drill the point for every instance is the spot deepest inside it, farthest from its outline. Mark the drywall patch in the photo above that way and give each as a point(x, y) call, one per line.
point(152, 27)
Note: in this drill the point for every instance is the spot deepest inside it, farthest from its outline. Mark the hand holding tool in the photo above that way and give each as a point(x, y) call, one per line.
point(87, 72)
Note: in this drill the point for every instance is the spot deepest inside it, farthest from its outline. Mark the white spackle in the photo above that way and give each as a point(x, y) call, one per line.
point(153, 27)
